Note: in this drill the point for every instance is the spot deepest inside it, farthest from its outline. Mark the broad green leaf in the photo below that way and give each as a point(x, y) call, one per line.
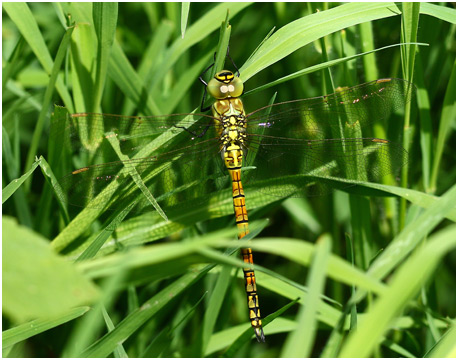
point(37, 283)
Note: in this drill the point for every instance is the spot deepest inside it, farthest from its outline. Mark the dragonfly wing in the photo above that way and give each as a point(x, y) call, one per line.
point(325, 115)
point(296, 167)
point(90, 132)
point(189, 173)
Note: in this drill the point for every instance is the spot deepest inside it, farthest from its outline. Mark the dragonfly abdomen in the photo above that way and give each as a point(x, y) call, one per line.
point(241, 219)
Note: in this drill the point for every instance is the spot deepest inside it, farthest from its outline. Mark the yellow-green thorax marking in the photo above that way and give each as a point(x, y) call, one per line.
point(228, 108)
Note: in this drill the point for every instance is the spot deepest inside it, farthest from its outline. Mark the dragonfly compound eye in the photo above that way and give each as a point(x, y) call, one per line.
point(225, 85)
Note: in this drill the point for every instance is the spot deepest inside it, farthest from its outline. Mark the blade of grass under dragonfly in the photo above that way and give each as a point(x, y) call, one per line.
point(136, 176)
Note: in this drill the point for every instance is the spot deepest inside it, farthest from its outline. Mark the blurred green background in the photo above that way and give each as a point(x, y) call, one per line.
point(159, 51)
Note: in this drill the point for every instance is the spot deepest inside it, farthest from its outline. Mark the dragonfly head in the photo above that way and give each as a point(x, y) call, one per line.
point(225, 85)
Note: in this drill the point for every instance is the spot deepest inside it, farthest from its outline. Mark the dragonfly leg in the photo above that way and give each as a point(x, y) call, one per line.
point(233, 63)
point(192, 132)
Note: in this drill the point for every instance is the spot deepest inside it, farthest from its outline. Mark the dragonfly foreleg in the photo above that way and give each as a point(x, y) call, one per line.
point(204, 131)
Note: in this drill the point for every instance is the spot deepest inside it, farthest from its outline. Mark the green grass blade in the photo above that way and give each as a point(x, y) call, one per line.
point(38, 133)
point(23, 18)
point(405, 285)
point(114, 141)
point(440, 12)
point(119, 352)
point(52, 181)
point(124, 75)
point(445, 347)
point(184, 16)
point(105, 16)
point(14, 185)
point(88, 327)
point(411, 236)
point(426, 123)
point(104, 234)
point(151, 57)
point(301, 252)
point(313, 27)
point(447, 121)
point(104, 346)
point(300, 342)
point(203, 27)
point(35, 327)
point(242, 337)
point(11, 63)
point(214, 305)
point(409, 28)
point(320, 66)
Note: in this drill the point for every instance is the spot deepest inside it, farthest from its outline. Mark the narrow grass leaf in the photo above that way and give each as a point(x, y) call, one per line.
point(123, 74)
point(150, 59)
point(105, 16)
point(412, 235)
point(27, 330)
point(426, 124)
point(305, 30)
point(104, 234)
point(398, 349)
point(224, 338)
point(320, 66)
point(300, 342)
point(247, 335)
point(119, 352)
point(11, 63)
point(162, 342)
point(409, 28)
point(52, 181)
point(446, 346)
point(404, 286)
point(38, 132)
point(214, 305)
point(153, 254)
point(301, 252)
point(413, 196)
point(203, 27)
point(88, 327)
point(114, 141)
point(11, 188)
point(23, 18)
point(302, 213)
point(184, 16)
point(131, 323)
point(441, 12)
point(446, 124)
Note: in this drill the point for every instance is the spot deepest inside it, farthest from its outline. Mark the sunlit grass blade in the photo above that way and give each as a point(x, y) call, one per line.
point(300, 342)
point(13, 186)
point(404, 286)
point(35, 327)
point(23, 18)
point(105, 16)
point(104, 346)
point(411, 236)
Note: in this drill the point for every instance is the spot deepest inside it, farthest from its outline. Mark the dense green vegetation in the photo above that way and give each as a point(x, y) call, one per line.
point(374, 274)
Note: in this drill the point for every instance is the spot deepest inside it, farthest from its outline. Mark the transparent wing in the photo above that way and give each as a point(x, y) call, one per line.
point(323, 116)
point(90, 132)
point(172, 177)
point(297, 167)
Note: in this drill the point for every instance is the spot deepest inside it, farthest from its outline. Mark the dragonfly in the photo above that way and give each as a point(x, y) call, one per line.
point(297, 148)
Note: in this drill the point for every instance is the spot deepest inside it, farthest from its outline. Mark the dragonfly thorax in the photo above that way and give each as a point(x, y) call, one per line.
point(225, 85)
